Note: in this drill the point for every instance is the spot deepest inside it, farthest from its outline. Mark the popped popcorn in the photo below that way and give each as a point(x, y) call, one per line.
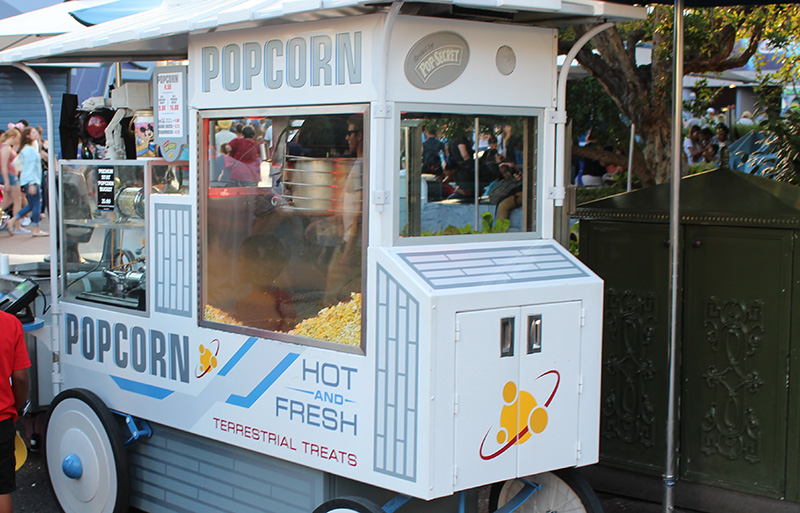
point(340, 323)
point(216, 315)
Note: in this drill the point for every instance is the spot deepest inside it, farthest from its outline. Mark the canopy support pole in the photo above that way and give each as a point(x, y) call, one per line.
point(674, 258)
point(53, 214)
point(558, 192)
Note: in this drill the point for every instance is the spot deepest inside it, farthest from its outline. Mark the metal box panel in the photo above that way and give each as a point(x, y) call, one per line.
point(736, 345)
point(633, 418)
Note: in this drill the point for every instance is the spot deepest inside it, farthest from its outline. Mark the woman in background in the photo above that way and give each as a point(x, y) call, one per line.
point(31, 179)
point(9, 180)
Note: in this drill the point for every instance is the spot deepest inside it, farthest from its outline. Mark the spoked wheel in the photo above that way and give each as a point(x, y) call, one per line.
point(85, 455)
point(562, 491)
point(348, 505)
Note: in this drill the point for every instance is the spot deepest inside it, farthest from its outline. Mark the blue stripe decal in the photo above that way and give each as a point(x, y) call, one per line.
point(258, 391)
point(309, 392)
point(141, 388)
point(250, 342)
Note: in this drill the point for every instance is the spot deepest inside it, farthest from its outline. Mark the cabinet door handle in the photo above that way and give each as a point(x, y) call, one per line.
point(506, 337)
point(534, 334)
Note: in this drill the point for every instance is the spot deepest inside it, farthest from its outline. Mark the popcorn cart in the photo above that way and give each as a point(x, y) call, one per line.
point(306, 316)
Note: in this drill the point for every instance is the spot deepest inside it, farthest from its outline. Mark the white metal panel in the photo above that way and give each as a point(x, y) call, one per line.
point(552, 377)
point(485, 450)
point(531, 84)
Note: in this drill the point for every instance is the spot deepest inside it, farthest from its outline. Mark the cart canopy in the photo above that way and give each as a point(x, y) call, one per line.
point(162, 33)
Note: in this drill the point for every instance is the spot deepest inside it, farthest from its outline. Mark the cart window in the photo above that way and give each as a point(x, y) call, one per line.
point(465, 174)
point(283, 231)
point(103, 232)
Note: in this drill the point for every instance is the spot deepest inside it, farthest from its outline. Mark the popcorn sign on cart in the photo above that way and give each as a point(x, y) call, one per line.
point(323, 308)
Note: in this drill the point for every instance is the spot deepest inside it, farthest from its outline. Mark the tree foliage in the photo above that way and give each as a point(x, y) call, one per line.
point(643, 91)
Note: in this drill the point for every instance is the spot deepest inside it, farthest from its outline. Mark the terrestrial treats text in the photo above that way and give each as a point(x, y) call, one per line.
point(286, 442)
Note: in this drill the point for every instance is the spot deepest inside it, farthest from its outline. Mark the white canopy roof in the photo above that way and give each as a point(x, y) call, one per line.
point(162, 33)
point(43, 23)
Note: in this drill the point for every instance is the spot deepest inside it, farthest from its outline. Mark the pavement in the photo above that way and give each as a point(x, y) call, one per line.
point(24, 248)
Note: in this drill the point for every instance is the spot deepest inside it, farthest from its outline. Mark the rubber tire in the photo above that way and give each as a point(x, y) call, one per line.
point(85, 417)
point(354, 504)
point(570, 477)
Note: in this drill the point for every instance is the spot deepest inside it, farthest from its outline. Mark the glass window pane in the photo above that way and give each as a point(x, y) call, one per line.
point(104, 233)
point(466, 174)
point(283, 236)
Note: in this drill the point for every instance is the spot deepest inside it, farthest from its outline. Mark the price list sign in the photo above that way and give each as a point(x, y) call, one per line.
point(105, 188)
point(170, 88)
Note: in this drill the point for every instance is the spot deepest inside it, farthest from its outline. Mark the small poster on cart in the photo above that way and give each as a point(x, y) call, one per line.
point(170, 112)
point(105, 188)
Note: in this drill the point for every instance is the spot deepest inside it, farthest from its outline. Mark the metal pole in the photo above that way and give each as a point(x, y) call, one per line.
point(560, 115)
point(674, 230)
point(630, 157)
point(475, 193)
point(53, 214)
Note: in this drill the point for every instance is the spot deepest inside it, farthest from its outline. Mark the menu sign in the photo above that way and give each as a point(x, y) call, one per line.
point(105, 188)
point(169, 84)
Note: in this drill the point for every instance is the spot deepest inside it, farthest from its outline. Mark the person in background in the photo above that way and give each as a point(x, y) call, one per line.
point(692, 145)
point(31, 179)
point(432, 148)
point(245, 151)
point(14, 387)
point(746, 119)
point(9, 178)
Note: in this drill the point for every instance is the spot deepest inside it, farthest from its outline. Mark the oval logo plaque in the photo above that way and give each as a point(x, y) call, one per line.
point(437, 60)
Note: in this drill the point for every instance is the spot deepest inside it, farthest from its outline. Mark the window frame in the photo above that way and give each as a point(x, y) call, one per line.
point(147, 189)
point(536, 113)
point(203, 186)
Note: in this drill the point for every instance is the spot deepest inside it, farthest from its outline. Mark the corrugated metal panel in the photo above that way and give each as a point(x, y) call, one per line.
point(22, 100)
point(177, 472)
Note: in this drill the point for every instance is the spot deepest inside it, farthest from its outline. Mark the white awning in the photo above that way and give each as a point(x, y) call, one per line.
point(162, 33)
point(43, 23)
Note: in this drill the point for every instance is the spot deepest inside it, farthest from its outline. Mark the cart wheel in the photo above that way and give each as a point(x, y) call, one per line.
point(562, 491)
point(85, 456)
point(348, 505)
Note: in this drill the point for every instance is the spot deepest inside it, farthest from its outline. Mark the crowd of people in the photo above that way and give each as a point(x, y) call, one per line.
point(708, 137)
point(452, 162)
point(23, 160)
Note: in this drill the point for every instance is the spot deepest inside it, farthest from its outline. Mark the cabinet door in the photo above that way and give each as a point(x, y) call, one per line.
point(487, 350)
point(517, 392)
point(633, 260)
point(549, 386)
point(735, 351)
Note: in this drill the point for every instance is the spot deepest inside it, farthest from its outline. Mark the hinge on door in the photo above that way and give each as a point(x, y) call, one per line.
point(578, 450)
point(583, 317)
point(455, 405)
point(580, 384)
point(458, 331)
point(455, 474)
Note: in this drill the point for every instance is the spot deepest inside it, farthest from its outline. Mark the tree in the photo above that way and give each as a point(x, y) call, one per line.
point(644, 92)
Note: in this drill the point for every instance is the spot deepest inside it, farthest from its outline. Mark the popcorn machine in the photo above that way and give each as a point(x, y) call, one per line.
point(307, 309)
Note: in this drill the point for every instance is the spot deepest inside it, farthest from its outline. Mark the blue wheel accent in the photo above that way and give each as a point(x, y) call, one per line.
point(72, 466)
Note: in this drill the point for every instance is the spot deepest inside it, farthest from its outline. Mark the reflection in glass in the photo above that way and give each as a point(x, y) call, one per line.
point(104, 233)
point(466, 174)
point(283, 248)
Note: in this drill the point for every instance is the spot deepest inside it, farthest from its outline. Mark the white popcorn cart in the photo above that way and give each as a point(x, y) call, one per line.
point(307, 315)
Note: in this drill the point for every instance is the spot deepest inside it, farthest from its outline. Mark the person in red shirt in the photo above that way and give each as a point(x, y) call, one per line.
point(14, 364)
point(246, 152)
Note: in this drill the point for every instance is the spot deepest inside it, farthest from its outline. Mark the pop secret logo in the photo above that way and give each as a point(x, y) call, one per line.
point(437, 60)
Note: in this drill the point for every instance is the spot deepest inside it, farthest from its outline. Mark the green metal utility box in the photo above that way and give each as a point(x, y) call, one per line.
point(739, 366)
